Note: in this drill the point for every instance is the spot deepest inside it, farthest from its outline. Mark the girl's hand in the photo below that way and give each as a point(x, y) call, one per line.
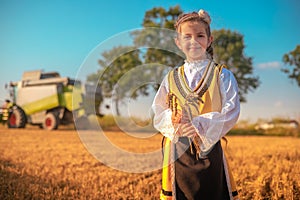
point(186, 130)
point(180, 117)
point(176, 118)
point(182, 121)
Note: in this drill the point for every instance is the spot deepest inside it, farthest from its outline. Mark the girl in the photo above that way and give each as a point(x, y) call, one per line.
point(194, 108)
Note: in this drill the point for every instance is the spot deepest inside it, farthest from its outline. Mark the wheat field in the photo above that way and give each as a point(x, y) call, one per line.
point(37, 164)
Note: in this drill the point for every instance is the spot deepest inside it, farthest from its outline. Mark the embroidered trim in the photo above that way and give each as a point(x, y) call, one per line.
point(204, 77)
point(203, 85)
point(207, 80)
point(178, 82)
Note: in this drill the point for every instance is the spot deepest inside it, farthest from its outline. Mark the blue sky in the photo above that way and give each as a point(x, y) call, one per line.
point(59, 35)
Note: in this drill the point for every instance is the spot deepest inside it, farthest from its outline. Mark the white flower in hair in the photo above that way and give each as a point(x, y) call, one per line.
point(205, 16)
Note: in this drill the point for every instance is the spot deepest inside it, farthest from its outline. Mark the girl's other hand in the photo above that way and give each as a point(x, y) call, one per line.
point(186, 130)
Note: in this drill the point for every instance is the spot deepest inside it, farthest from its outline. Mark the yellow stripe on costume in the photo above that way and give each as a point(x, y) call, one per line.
point(233, 191)
point(166, 191)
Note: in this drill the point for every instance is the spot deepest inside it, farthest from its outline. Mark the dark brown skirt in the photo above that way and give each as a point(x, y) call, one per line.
point(199, 178)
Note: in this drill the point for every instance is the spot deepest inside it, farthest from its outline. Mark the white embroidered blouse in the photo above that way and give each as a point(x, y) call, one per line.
point(209, 126)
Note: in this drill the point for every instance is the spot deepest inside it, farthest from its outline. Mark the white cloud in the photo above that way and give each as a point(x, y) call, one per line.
point(269, 65)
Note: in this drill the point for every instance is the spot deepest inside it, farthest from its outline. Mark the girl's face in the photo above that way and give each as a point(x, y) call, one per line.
point(193, 40)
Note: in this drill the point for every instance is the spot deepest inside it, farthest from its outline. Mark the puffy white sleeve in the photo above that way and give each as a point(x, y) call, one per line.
point(214, 125)
point(162, 120)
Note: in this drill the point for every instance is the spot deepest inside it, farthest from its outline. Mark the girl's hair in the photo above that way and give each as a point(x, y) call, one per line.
point(202, 17)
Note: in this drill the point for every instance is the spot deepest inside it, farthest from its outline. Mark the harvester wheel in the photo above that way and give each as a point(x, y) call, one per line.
point(51, 121)
point(17, 119)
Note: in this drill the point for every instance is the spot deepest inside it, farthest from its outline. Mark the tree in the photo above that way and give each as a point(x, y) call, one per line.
point(229, 49)
point(158, 37)
point(155, 44)
point(293, 59)
point(113, 67)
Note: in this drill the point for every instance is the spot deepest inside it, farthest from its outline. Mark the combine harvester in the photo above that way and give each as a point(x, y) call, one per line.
point(49, 100)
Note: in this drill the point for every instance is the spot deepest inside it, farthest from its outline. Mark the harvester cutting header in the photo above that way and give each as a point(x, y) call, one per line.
point(48, 100)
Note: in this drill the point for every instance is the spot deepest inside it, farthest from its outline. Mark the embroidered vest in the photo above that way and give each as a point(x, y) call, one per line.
point(205, 97)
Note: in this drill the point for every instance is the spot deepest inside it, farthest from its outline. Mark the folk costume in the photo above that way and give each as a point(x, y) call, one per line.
point(196, 168)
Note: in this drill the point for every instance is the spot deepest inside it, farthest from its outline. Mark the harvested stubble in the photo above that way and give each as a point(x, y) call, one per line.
point(36, 164)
